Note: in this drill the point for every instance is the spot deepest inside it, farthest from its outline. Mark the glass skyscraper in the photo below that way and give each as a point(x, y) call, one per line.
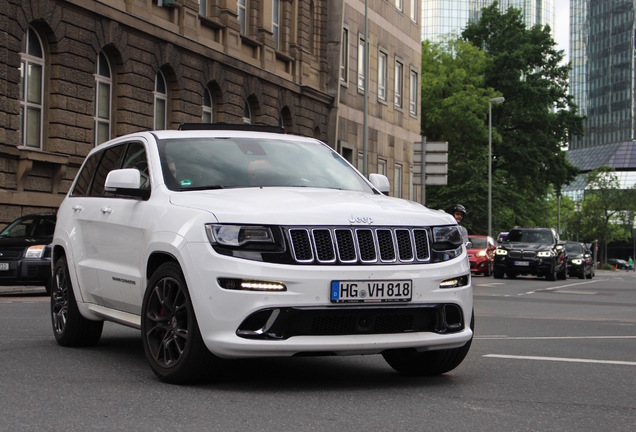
point(444, 18)
point(602, 47)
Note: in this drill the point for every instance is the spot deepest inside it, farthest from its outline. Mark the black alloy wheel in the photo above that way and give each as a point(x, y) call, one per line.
point(69, 326)
point(170, 333)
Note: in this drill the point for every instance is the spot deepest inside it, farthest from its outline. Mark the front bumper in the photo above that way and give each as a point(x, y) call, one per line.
point(303, 320)
point(534, 266)
point(479, 265)
point(26, 272)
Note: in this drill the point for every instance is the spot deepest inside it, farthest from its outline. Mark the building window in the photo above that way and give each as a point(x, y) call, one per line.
point(103, 99)
point(382, 74)
point(399, 68)
point(381, 166)
point(241, 6)
point(397, 181)
point(413, 84)
point(31, 90)
point(414, 10)
point(344, 56)
point(276, 22)
point(399, 4)
point(207, 108)
point(203, 7)
point(161, 102)
point(361, 68)
point(247, 114)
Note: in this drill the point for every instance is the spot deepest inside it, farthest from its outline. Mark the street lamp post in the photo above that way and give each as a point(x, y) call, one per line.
point(496, 100)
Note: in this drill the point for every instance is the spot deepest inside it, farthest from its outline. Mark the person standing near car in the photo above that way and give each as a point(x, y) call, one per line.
point(630, 264)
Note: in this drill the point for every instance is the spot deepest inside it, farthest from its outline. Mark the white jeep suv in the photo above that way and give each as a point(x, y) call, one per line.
point(224, 243)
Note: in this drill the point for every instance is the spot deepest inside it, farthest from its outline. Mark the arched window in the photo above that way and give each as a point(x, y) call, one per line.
point(103, 99)
point(31, 90)
point(208, 109)
point(247, 114)
point(161, 102)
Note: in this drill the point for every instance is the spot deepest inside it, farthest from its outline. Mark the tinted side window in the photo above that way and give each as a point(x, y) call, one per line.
point(85, 176)
point(110, 161)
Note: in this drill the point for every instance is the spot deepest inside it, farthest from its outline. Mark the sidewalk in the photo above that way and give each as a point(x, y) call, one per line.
point(22, 290)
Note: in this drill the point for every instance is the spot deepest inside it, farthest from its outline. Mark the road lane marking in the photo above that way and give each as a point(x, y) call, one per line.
point(504, 337)
point(562, 359)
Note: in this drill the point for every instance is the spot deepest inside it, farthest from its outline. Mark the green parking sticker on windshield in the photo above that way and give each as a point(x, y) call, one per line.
point(186, 182)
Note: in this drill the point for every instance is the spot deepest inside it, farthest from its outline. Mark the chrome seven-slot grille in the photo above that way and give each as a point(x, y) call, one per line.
point(345, 245)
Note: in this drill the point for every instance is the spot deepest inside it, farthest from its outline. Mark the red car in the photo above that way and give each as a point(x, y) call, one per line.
point(481, 254)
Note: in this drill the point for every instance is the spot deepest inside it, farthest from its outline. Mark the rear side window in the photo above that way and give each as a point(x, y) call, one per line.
point(90, 180)
point(85, 176)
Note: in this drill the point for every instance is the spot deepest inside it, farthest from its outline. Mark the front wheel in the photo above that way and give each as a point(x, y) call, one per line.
point(170, 333)
point(69, 326)
point(410, 362)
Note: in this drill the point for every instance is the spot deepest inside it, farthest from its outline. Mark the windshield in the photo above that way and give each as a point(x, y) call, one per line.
point(574, 248)
point(478, 242)
point(29, 227)
point(529, 236)
point(213, 163)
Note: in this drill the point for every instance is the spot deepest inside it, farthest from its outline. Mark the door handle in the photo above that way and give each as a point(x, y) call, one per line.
point(106, 210)
point(77, 208)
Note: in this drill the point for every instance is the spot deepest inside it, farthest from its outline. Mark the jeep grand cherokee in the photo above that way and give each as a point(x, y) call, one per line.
point(221, 244)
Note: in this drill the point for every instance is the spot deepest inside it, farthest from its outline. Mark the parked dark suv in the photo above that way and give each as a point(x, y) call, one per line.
point(531, 251)
point(25, 251)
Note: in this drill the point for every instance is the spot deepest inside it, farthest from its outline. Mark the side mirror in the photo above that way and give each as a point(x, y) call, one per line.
point(380, 182)
point(126, 182)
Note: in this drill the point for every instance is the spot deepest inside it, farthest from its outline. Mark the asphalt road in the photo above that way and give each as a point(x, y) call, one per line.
point(547, 356)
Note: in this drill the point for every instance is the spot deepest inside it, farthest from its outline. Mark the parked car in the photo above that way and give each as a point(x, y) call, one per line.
point(531, 251)
point(25, 251)
point(618, 263)
point(481, 254)
point(580, 261)
point(229, 243)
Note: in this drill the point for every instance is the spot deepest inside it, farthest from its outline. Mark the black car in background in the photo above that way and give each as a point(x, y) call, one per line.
point(580, 261)
point(531, 251)
point(25, 251)
point(618, 263)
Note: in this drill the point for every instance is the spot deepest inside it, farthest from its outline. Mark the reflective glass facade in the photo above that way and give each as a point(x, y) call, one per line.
point(602, 77)
point(602, 44)
point(441, 18)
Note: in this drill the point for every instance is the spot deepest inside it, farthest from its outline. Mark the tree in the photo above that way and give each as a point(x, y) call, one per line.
point(607, 211)
point(537, 118)
point(455, 109)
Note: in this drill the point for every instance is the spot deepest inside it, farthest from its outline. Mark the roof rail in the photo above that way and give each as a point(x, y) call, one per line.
point(230, 126)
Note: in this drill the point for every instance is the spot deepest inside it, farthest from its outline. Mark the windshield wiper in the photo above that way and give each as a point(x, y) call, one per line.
point(198, 188)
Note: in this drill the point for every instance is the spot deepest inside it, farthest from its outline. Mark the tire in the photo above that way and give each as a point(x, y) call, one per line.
point(412, 363)
point(170, 333)
point(70, 328)
point(488, 271)
point(552, 275)
point(498, 274)
point(563, 274)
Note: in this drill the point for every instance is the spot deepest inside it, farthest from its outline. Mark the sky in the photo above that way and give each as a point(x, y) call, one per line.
point(562, 26)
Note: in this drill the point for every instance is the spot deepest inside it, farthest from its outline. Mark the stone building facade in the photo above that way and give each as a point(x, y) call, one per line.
point(74, 73)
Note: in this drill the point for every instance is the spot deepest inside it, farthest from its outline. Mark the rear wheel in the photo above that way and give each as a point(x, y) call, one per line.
point(170, 333)
point(563, 274)
point(552, 273)
point(69, 326)
point(413, 363)
point(498, 274)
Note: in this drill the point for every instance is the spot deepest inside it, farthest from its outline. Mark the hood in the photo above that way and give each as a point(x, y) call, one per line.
point(309, 206)
point(527, 246)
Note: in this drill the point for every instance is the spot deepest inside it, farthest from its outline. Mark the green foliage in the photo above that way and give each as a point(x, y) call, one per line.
point(607, 211)
point(499, 56)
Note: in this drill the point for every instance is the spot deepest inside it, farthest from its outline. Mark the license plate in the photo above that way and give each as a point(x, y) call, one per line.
point(4, 266)
point(522, 263)
point(371, 291)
